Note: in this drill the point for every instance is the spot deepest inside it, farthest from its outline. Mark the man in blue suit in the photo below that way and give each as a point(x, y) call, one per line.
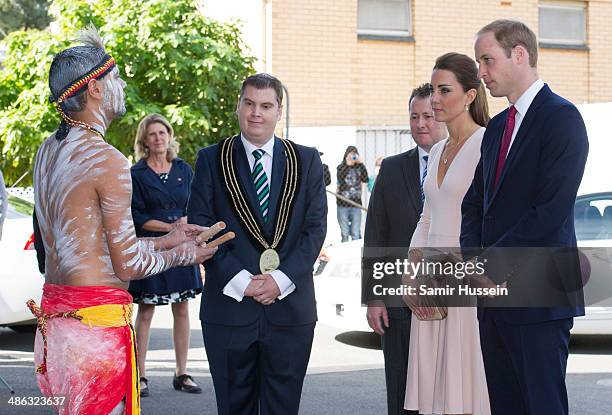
point(522, 195)
point(258, 307)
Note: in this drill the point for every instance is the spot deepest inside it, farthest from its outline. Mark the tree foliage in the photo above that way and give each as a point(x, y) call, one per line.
point(175, 61)
point(23, 14)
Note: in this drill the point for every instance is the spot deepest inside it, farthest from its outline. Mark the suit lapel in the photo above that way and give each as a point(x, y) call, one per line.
point(244, 176)
point(411, 171)
point(518, 145)
point(490, 158)
point(276, 182)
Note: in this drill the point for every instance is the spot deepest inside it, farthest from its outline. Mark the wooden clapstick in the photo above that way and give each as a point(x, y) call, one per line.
point(210, 232)
point(222, 239)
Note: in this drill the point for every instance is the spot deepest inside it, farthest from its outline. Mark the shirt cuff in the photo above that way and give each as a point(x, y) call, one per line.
point(236, 286)
point(285, 285)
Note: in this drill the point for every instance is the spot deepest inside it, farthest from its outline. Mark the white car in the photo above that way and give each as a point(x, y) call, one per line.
point(593, 220)
point(20, 279)
point(338, 286)
point(338, 275)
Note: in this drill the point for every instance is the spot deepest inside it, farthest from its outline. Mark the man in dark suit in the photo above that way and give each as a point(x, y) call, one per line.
point(258, 307)
point(393, 213)
point(522, 195)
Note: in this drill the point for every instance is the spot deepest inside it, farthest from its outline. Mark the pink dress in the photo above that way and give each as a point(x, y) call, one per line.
point(445, 368)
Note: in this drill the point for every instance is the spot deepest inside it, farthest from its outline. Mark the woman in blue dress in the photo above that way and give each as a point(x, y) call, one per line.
point(161, 183)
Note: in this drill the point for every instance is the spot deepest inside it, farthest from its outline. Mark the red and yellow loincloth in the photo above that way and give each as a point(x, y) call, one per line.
point(85, 349)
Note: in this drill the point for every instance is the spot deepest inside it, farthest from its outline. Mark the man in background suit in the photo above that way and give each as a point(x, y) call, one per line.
point(393, 213)
point(522, 195)
point(258, 306)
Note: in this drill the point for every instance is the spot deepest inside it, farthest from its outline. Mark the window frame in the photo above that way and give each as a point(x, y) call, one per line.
point(567, 43)
point(388, 34)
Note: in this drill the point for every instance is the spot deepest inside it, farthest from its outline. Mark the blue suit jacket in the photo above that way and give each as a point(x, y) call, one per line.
point(533, 203)
point(166, 202)
point(305, 233)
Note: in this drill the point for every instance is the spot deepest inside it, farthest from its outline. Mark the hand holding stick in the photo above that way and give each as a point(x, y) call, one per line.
point(205, 236)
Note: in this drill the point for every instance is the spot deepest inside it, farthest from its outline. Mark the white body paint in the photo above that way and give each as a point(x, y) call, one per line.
point(83, 193)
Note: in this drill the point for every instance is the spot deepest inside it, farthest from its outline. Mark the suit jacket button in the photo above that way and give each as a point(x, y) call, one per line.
point(172, 205)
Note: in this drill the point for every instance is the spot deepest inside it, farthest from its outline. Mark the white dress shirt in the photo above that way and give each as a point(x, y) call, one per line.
point(522, 106)
point(237, 285)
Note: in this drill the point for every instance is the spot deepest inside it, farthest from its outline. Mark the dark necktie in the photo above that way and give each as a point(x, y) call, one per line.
point(426, 157)
point(505, 144)
point(261, 183)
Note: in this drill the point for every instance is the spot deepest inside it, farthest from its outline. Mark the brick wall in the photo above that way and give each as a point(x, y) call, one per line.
point(599, 32)
point(334, 78)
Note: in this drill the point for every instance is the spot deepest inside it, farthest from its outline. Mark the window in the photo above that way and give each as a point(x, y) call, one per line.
point(562, 23)
point(384, 18)
point(593, 217)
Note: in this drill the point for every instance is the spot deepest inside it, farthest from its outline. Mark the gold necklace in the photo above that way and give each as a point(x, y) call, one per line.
point(445, 150)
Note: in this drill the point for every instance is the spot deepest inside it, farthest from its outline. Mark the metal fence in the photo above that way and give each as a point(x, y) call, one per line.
point(375, 142)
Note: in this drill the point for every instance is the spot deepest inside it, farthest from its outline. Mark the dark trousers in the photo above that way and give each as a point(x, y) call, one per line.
point(258, 368)
point(525, 365)
point(395, 344)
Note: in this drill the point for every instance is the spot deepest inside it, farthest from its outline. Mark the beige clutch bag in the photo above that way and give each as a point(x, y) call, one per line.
point(439, 313)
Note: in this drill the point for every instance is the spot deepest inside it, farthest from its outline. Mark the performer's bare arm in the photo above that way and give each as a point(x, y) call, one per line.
point(132, 257)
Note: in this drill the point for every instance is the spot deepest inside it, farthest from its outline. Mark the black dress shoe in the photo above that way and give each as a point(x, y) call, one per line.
point(144, 387)
point(179, 383)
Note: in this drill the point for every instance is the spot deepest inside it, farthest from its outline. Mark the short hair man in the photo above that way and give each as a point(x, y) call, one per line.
point(84, 350)
point(258, 306)
point(522, 195)
point(393, 213)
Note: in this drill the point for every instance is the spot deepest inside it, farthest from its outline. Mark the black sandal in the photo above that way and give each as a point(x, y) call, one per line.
point(179, 383)
point(144, 391)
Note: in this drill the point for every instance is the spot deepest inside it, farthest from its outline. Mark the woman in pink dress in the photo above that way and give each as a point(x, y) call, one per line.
point(445, 367)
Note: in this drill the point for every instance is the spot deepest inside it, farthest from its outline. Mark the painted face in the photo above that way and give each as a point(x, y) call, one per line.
point(494, 67)
point(258, 112)
point(426, 131)
point(157, 138)
point(448, 99)
point(114, 97)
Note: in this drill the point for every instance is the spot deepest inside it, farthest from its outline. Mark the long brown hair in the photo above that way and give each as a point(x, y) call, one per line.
point(465, 70)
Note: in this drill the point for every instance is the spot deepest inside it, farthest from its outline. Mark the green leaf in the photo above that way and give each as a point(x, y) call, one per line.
point(175, 61)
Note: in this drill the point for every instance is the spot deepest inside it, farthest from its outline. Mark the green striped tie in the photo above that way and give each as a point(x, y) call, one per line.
point(262, 188)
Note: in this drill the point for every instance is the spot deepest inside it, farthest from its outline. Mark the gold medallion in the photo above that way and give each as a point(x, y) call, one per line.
point(269, 261)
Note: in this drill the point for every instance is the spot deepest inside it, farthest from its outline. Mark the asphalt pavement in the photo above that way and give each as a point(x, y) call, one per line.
point(345, 374)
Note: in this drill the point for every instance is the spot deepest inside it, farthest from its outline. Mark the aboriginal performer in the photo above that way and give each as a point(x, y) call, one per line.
point(85, 349)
